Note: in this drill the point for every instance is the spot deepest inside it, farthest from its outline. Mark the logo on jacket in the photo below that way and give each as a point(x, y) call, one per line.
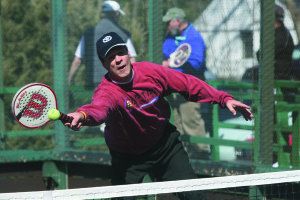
point(129, 104)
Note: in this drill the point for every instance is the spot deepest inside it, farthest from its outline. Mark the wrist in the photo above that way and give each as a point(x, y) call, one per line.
point(84, 116)
point(227, 99)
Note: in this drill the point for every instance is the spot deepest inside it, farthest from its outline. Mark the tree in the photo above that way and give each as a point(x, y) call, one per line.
point(26, 42)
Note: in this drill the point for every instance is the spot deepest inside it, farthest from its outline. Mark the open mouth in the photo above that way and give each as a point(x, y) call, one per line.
point(122, 67)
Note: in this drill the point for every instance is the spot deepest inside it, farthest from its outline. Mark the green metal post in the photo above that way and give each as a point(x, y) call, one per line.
point(2, 119)
point(296, 143)
point(155, 39)
point(256, 193)
point(58, 171)
point(266, 82)
point(155, 31)
point(59, 53)
point(215, 149)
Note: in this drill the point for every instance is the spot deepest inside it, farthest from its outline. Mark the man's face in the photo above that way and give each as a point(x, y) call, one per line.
point(277, 24)
point(173, 26)
point(117, 63)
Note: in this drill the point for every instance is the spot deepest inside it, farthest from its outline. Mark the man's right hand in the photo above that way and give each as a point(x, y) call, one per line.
point(78, 119)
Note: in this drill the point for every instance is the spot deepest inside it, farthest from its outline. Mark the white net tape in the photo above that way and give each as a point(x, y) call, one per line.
point(159, 187)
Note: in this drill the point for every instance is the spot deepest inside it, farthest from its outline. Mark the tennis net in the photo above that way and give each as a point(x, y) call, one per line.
point(274, 185)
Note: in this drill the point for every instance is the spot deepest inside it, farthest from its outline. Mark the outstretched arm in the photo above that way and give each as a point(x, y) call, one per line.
point(234, 106)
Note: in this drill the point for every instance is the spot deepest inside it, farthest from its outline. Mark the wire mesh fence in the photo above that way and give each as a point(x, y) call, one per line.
point(42, 42)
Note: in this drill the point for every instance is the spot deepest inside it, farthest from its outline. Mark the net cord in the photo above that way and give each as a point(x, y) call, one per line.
point(159, 187)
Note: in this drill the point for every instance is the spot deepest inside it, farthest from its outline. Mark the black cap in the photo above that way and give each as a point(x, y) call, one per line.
point(107, 42)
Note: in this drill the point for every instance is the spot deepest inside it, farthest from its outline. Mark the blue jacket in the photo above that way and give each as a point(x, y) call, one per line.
point(196, 62)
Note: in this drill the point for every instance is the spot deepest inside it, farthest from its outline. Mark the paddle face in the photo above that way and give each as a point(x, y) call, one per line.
point(31, 104)
point(180, 56)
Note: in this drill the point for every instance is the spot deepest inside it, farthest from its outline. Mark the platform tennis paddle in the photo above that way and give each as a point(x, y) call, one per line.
point(180, 55)
point(32, 103)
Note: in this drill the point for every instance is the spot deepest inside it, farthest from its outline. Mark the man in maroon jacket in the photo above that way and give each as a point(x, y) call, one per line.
point(130, 100)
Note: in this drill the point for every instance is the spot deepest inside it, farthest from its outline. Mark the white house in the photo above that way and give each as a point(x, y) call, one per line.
point(231, 31)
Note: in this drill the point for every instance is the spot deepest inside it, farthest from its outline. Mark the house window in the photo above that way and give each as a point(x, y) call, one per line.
point(247, 39)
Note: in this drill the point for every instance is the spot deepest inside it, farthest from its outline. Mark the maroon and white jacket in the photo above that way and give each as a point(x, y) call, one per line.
point(136, 112)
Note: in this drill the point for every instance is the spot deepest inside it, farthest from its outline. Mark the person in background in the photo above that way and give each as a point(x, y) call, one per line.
point(187, 115)
point(109, 15)
point(284, 47)
point(131, 101)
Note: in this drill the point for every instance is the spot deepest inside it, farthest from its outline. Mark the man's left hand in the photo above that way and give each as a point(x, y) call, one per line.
point(234, 106)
